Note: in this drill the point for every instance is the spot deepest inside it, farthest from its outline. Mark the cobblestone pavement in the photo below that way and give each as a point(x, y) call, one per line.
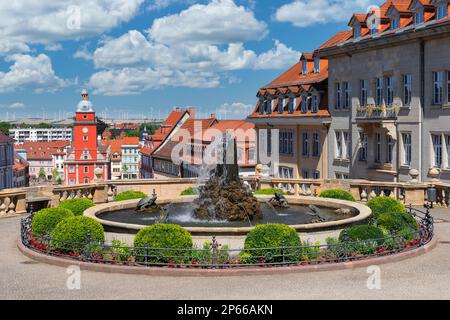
point(423, 277)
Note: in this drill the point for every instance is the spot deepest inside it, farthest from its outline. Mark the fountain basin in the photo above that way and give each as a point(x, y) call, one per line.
point(119, 217)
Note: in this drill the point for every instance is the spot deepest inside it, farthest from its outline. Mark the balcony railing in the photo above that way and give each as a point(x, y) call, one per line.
point(374, 112)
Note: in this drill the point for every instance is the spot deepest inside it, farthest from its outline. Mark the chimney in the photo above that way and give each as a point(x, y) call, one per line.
point(213, 115)
point(192, 112)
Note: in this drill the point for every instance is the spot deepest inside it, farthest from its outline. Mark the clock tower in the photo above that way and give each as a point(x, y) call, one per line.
point(85, 155)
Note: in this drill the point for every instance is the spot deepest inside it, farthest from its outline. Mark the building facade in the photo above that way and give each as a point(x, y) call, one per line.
point(35, 135)
point(21, 172)
point(125, 158)
point(389, 93)
point(86, 154)
point(6, 161)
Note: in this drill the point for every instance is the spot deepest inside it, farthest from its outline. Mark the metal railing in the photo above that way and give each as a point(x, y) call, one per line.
point(213, 255)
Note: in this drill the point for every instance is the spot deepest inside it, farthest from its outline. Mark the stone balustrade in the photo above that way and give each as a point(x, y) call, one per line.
point(14, 201)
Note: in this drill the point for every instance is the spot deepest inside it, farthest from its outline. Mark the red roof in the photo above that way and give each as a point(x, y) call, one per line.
point(116, 144)
point(43, 150)
point(5, 139)
point(19, 162)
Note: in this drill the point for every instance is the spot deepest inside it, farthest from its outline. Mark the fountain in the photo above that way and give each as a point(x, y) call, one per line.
point(224, 196)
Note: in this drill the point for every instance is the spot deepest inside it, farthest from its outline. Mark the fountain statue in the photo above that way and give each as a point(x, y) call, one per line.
point(279, 201)
point(224, 196)
point(147, 204)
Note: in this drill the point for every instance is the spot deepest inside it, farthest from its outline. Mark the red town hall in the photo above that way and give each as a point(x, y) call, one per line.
point(86, 154)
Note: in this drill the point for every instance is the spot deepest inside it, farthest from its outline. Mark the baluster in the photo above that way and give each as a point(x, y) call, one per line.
point(372, 194)
point(11, 207)
point(308, 190)
point(2, 207)
point(364, 195)
point(392, 194)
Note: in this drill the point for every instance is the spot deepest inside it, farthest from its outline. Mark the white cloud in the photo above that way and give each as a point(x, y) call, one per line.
point(8, 47)
point(27, 22)
point(16, 105)
point(128, 81)
point(220, 21)
point(161, 4)
point(30, 72)
point(304, 13)
point(236, 110)
point(53, 47)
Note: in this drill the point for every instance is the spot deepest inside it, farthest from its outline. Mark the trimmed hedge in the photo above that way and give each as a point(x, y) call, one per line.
point(168, 236)
point(398, 223)
point(190, 192)
point(45, 220)
point(73, 234)
point(380, 205)
point(361, 233)
point(272, 236)
point(77, 206)
point(129, 195)
point(337, 194)
point(269, 191)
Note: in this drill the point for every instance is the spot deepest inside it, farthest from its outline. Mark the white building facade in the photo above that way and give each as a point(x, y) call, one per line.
point(36, 135)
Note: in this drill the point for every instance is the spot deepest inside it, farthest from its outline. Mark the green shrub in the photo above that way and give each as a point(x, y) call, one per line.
point(398, 223)
point(129, 195)
point(168, 236)
point(269, 191)
point(77, 206)
point(337, 194)
point(190, 192)
point(120, 251)
point(45, 220)
point(380, 205)
point(361, 233)
point(204, 255)
point(272, 236)
point(77, 234)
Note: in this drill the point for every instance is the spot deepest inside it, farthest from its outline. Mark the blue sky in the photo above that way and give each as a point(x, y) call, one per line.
point(141, 58)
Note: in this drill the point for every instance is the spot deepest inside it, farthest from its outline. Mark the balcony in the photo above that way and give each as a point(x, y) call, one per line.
point(373, 112)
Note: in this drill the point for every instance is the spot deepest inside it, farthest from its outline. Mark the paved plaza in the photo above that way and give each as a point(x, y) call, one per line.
point(423, 277)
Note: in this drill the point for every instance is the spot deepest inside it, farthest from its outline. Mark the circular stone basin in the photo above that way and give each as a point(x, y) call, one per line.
point(120, 216)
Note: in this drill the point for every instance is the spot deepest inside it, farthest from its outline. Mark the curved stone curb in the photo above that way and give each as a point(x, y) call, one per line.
point(177, 272)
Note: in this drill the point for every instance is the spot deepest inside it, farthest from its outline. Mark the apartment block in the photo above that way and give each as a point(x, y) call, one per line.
point(40, 135)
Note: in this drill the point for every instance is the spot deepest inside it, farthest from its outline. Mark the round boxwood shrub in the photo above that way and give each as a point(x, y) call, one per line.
point(361, 233)
point(169, 236)
point(190, 192)
point(77, 206)
point(380, 205)
point(269, 191)
point(337, 194)
point(129, 195)
point(272, 236)
point(45, 220)
point(399, 223)
point(77, 234)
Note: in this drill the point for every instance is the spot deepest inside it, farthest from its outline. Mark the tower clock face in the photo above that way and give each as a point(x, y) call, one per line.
point(85, 130)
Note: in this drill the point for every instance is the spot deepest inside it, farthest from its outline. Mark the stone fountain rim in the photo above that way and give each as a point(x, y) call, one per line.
point(364, 213)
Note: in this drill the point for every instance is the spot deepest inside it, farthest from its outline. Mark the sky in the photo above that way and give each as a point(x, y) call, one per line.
point(142, 58)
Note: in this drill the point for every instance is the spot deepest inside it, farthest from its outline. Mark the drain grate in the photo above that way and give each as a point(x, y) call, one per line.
point(29, 262)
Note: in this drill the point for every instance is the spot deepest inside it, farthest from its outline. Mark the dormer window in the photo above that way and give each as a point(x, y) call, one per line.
point(395, 23)
point(262, 106)
point(418, 17)
point(441, 11)
point(304, 68)
point(280, 105)
point(356, 32)
point(316, 65)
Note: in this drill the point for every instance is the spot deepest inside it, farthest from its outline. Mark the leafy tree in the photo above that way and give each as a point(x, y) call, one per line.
point(4, 127)
point(42, 174)
point(132, 133)
point(55, 174)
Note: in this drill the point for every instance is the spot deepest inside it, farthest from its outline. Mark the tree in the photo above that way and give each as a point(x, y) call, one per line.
point(55, 174)
point(4, 127)
point(132, 133)
point(42, 174)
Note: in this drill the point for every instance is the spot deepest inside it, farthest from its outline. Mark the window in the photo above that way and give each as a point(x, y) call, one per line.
point(291, 105)
point(315, 104)
point(86, 180)
point(347, 95)
point(305, 173)
point(374, 26)
point(379, 92)
point(316, 174)
point(441, 11)
point(418, 17)
point(338, 145)
point(305, 104)
point(286, 173)
point(280, 105)
point(378, 148)
point(269, 106)
point(395, 23)
point(438, 78)
point(85, 138)
point(86, 169)
point(407, 80)
point(269, 141)
point(363, 94)
point(356, 32)
point(389, 91)
point(71, 169)
point(305, 144)
point(338, 96)
point(448, 86)
point(390, 149)
point(346, 137)
point(363, 148)
point(407, 149)
point(304, 67)
point(316, 65)
point(262, 106)
point(437, 148)
point(286, 142)
point(316, 145)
